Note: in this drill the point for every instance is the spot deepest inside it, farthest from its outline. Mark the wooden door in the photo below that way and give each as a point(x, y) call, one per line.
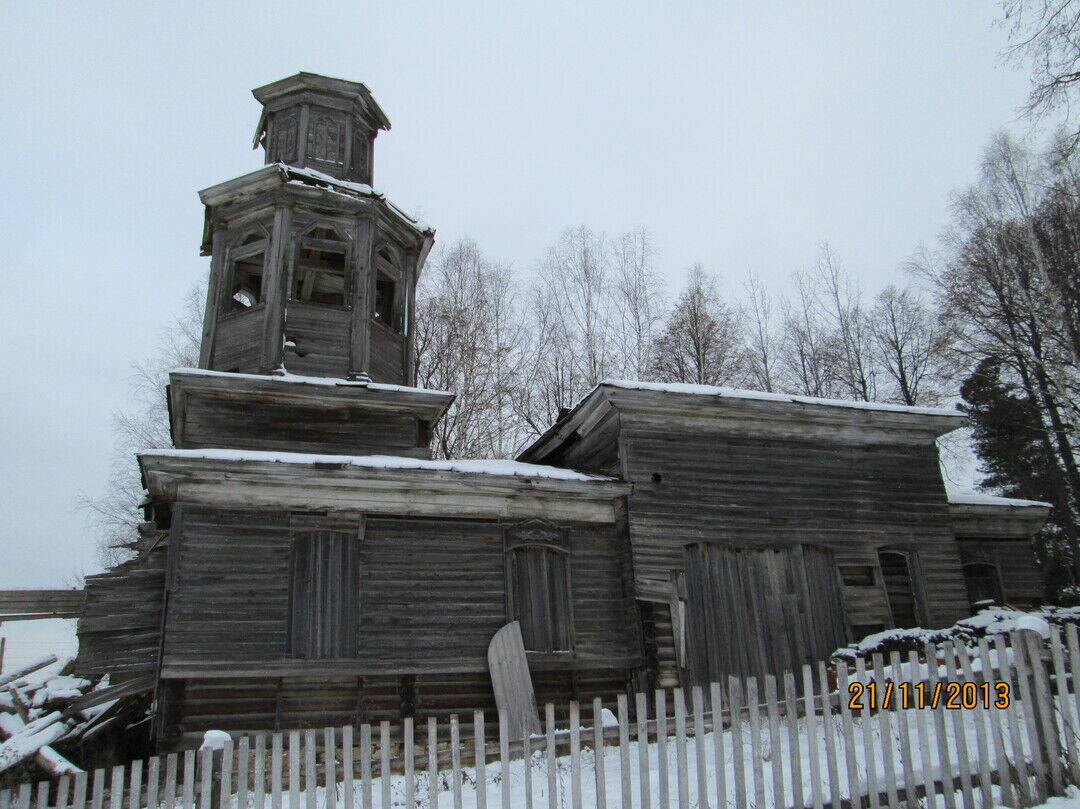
point(756, 611)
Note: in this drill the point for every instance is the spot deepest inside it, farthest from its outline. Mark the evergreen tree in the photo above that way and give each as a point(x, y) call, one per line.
point(1010, 440)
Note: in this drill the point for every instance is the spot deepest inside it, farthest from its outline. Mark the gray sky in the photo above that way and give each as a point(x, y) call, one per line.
point(741, 134)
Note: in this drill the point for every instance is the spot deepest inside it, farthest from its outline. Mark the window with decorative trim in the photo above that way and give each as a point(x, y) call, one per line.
point(324, 595)
point(539, 596)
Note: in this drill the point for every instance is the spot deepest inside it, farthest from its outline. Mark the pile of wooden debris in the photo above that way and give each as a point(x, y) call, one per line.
point(60, 724)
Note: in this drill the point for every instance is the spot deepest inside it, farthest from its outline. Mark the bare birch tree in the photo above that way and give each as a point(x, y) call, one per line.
point(701, 342)
point(911, 344)
point(115, 513)
point(764, 337)
point(637, 301)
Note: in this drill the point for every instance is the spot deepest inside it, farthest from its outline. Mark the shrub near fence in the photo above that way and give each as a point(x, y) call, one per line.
point(819, 738)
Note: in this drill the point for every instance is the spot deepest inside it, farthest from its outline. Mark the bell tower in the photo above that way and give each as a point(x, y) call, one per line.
point(313, 272)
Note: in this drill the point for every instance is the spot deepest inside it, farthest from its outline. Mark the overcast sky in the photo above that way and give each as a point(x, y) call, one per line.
point(742, 134)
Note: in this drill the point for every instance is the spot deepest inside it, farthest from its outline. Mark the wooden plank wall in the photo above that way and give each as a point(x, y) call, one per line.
point(387, 355)
point(215, 421)
point(321, 334)
point(432, 594)
point(238, 341)
point(693, 484)
point(120, 630)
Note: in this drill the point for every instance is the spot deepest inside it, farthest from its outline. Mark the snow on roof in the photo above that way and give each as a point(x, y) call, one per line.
point(965, 498)
point(327, 381)
point(738, 393)
point(363, 189)
point(472, 467)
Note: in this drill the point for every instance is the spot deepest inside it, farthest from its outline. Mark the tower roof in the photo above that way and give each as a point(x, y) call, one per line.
point(352, 91)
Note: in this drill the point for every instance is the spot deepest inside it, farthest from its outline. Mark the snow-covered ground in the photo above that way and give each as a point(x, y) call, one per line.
point(928, 752)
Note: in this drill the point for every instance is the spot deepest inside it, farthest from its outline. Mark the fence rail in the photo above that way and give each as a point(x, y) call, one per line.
point(1000, 726)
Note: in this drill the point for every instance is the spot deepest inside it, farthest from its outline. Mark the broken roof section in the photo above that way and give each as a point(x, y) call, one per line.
point(744, 411)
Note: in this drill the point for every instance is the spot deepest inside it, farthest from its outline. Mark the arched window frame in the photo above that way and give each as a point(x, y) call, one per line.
point(342, 243)
point(250, 242)
point(531, 537)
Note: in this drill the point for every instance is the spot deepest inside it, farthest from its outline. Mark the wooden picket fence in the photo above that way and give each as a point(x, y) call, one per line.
point(787, 742)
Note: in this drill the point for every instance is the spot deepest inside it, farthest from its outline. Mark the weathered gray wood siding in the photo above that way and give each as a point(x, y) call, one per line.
point(237, 341)
point(120, 629)
point(852, 498)
point(387, 355)
point(322, 336)
point(432, 594)
point(1021, 578)
point(215, 421)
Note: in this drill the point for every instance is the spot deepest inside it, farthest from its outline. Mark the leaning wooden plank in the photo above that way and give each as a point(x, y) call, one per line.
point(1071, 730)
point(276, 754)
point(1044, 703)
point(29, 668)
point(153, 782)
point(511, 681)
point(136, 685)
point(25, 793)
point(206, 778)
point(42, 800)
point(959, 732)
point(97, 797)
point(1030, 716)
point(169, 798)
point(78, 795)
point(116, 788)
point(1072, 636)
point(63, 787)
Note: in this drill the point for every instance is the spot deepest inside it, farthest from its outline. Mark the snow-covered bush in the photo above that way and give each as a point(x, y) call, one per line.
point(987, 621)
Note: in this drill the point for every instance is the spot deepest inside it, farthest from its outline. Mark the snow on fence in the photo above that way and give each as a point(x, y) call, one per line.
point(792, 742)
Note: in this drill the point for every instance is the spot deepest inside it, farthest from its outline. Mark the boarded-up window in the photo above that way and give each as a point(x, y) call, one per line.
point(324, 595)
point(983, 583)
point(900, 587)
point(540, 597)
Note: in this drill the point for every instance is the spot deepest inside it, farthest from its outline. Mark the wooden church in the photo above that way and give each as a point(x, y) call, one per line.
point(305, 562)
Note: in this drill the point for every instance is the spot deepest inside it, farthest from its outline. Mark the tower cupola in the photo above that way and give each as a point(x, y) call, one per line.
point(313, 272)
point(317, 122)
